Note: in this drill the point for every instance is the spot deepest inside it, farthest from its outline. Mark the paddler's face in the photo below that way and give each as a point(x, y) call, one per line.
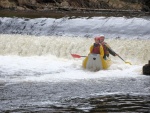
point(96, 41)
point(102, 39)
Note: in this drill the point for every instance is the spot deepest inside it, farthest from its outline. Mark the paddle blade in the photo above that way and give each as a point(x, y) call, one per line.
point(128, 63)
point(76, 56)
point(124, 60)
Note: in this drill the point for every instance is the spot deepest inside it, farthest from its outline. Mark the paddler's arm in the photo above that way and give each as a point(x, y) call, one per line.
point(110, 50)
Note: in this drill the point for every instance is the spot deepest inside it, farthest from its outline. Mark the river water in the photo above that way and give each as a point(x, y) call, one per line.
point(38, 73)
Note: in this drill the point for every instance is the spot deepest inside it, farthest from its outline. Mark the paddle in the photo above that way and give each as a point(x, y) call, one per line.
point(120, 57)
point(124, 60)
point(77, 56)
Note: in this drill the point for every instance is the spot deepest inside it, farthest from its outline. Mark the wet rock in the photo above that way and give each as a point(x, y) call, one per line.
point(146, 69)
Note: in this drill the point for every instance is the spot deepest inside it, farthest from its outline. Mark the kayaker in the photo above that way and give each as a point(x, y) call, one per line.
point(97, 48)
point(95, 59)
point(107, 48)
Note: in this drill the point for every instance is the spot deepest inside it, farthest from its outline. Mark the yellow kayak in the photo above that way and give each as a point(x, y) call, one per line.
point(95, 62)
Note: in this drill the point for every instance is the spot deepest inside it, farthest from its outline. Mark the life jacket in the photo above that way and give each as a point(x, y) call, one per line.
point(96, 49)
point(106, 52)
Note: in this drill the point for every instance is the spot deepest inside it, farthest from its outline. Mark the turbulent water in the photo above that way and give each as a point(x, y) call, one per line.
point(38, 73)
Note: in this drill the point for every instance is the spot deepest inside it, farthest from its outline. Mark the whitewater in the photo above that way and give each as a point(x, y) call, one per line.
point(37, 69)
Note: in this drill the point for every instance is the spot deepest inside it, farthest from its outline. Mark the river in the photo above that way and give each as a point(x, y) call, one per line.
point(38, 73)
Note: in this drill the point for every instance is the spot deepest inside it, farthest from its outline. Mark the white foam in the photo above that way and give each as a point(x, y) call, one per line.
point(25, 58)
point(53, 69)
point(135, 51)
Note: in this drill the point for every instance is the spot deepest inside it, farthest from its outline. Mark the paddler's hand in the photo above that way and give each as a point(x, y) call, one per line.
point(116, 54)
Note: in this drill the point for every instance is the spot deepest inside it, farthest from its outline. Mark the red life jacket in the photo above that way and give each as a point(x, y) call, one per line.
point(96, 49)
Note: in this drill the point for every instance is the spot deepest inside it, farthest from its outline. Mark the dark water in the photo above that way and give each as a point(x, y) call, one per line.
point(60, 14)
point(68, 97)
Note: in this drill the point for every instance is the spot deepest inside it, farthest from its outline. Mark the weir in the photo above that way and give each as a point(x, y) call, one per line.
point(112, 27)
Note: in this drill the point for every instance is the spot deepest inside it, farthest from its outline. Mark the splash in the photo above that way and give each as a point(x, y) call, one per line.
point(135, 50)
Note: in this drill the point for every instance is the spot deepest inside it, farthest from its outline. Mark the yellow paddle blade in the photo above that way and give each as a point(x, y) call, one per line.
point(128, 63)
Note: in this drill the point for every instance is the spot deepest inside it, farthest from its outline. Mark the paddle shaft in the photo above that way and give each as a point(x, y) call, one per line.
point(117, 55)
point(121, 58)
point(83, 56)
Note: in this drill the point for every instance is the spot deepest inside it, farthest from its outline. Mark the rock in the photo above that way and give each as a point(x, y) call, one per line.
point(4, 4)
point(146, 69)
point(20, 8)
point(26, 2)
point(65, 4)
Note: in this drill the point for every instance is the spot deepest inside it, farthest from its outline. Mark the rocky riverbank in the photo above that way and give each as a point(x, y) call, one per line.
point(44, 5)
point(61, 8)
